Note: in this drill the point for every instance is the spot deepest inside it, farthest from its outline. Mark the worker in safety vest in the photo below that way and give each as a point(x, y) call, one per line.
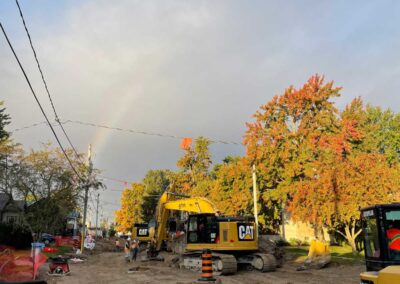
point(393, 235)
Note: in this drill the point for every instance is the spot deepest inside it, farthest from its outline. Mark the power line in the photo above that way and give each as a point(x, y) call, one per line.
point(143, 132)
point(44, 81)
point(127, 130)
point(40, 106)
point(114, 179)
point(29, 126)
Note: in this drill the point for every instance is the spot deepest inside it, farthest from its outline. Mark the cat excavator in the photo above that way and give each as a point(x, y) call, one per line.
point(232, 240)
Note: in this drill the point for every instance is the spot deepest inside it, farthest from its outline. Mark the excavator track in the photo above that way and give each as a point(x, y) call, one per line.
point(224, 264)
point(264, 262)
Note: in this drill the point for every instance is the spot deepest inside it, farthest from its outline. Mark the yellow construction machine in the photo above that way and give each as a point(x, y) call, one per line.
point(144, 232)
point(233, 240)
point(381, 246)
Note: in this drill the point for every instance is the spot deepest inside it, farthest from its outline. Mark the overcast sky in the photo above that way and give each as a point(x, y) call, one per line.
point(185, 68)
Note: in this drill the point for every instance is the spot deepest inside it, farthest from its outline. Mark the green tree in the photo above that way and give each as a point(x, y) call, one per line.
point(194, 177)
point(231, 189)
point(4, 121)
point(155, 182)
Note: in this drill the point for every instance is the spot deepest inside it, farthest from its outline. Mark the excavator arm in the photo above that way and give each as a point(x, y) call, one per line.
point(192, 205)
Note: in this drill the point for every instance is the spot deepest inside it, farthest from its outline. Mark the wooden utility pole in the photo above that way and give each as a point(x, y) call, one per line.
point(97, 212)
point(255, 197)
point(87, 186)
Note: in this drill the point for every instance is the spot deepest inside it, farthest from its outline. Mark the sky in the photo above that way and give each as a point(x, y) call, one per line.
point(184, 68)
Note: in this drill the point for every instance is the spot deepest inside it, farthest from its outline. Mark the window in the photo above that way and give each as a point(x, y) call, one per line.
point(12, 219)
point(192, 234)
point(392, 227)
point(372, 248)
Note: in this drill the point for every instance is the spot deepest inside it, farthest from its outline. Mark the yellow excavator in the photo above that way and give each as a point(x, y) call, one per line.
point(233, 240)
point(144, 232)
point(381, 246)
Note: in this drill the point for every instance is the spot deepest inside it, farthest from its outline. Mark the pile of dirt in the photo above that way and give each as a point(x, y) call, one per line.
point(104, 245)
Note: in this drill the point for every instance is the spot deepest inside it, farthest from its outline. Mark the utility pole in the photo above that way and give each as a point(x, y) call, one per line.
point(7, 174)
point(255, 196)
point(87, 186)
point(97, 213)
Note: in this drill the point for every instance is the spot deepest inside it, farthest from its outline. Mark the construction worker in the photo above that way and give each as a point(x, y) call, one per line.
point(134, 249)
point(393, 235)
point(151, 249)
point(127, 250)
point(117, 245)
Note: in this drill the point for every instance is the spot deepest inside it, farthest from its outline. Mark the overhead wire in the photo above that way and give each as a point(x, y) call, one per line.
point(40, 106)
point(143, 132)
point(125, 130)
point(44, 82)
point(29, 126)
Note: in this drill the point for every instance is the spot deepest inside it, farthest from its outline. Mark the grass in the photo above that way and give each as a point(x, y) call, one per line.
point(61, 251)
point(340, 254)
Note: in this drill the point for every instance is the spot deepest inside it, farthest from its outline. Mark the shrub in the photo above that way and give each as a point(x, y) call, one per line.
point(15, 236)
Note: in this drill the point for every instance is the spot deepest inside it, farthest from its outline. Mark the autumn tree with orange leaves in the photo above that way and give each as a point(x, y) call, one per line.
point(131, 208)
point(319, 164)
point(283, 141)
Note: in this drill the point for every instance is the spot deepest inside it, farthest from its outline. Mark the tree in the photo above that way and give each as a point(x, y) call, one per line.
point(155, 182)
point(352, 170)
point(193, 177)
point(341, 188)
point(231, 189)
point(131, 210)
point(284, 140)
point(4, 121)
point(46, 180)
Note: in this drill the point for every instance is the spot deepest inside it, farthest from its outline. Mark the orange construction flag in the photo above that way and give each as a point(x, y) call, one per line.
point(186, 142)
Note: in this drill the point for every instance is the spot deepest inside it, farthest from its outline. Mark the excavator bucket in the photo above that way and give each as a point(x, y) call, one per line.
point(318, 256)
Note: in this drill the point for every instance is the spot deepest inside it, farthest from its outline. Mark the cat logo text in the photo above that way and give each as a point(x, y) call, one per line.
point(143, 232)
point(245, 232)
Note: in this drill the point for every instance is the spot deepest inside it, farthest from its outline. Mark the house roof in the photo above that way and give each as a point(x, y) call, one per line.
point(6, 204)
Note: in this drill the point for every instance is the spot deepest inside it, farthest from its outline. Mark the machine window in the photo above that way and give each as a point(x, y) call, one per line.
point(192, 224)
point(392, 226)
point(372, 248)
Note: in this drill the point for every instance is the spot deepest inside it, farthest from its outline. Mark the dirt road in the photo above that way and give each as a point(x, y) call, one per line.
point(109, 267)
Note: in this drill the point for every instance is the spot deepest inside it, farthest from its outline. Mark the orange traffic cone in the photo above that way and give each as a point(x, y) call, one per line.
point(206, 266)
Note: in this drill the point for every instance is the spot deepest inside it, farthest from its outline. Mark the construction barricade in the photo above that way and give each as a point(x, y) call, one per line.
point(206, 266)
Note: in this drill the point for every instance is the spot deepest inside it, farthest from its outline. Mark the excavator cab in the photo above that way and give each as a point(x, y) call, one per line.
point(202, 228)
point(381, 228)
point(380, 224)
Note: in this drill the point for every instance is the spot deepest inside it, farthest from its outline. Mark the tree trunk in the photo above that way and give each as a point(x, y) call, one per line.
point(351, 235)
point(351, 239)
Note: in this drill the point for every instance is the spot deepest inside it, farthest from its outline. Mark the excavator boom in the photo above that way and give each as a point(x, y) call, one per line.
point(191, 205)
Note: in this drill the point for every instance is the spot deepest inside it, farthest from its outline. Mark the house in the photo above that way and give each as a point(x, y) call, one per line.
point(302, 232)
point(10, 211)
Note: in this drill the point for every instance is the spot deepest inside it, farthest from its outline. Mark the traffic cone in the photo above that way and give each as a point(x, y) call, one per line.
point(206, 266)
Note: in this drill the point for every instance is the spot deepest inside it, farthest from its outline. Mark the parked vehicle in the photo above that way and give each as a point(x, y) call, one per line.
point(47, 238)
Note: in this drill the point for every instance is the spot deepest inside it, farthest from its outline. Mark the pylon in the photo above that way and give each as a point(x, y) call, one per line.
point(206, 266)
